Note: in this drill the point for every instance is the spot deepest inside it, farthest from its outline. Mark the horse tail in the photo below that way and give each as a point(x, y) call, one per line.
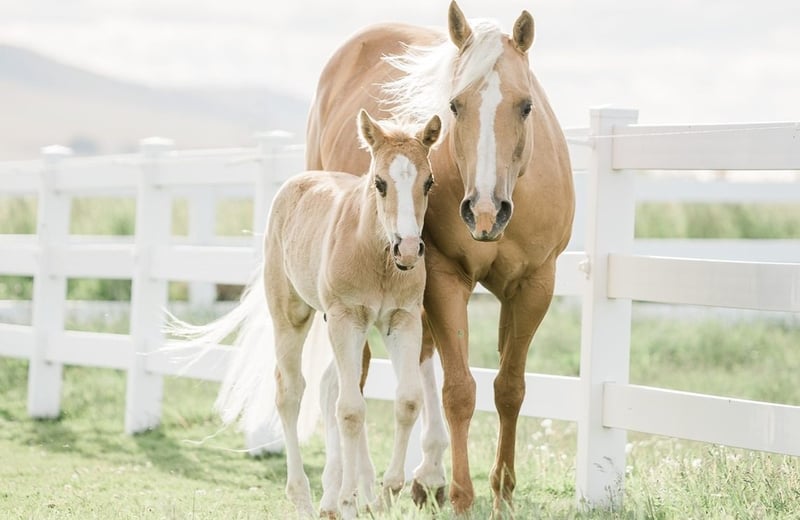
point(317, 355)
point(247, 392)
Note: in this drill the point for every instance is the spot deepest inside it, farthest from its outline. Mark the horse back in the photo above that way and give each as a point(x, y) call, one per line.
point(350, 81)
point(302, 214)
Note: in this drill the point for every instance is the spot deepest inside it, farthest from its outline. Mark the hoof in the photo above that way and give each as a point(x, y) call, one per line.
point(330, 515)
point(419, 494)
point(390, 494)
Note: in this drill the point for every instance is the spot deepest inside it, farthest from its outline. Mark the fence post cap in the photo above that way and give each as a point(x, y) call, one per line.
point(610, 111)
point(274, 135)
point(56, 151)
point(155, 144)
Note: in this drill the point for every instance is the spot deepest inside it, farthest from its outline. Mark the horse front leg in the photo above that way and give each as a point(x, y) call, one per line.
point(332, 472)
point(403, 341)
point(520, 316)
point(446, 297)
point(348, 337)
point(429, 477)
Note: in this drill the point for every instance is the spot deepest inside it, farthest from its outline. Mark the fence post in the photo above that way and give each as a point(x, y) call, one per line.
point(148, 295)
point(49, 289)
point(270, 145)
point(202, 228)
point(605, 323)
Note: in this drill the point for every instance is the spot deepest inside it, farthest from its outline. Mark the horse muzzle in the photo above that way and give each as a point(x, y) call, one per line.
point(406, 252)
point(486, 220)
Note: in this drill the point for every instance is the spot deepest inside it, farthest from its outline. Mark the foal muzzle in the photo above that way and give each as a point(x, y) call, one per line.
point(406, 251)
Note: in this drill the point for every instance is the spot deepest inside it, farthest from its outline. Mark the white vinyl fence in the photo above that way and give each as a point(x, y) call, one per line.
point(617, 163)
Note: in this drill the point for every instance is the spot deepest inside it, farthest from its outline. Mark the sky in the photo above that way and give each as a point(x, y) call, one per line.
point(677, 61)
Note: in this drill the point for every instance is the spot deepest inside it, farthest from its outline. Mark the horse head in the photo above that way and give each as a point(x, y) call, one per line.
point(491, 128)
point(400, 174)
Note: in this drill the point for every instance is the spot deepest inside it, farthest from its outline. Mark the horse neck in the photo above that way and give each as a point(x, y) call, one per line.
point(448, 180)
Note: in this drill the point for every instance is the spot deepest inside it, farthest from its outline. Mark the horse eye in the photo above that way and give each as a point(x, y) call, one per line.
point(380, 185)
point(428, 185)
point(453, 108)
point(526, 109)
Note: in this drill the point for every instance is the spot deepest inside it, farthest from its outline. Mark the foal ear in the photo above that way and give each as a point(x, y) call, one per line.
point(460, 31)
point(430, 134)
point(523, 31)
point(369, 131)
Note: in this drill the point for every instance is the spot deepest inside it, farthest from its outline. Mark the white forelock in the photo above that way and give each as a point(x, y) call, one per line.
point(437, 73)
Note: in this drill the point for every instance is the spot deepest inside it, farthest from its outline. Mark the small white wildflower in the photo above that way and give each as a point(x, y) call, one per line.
point(696, 463)
point(628, 448)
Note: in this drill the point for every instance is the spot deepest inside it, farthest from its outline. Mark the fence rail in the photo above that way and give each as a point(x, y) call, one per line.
point(604, 266)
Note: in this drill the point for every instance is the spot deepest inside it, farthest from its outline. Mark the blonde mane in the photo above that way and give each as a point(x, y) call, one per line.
point(437, 73)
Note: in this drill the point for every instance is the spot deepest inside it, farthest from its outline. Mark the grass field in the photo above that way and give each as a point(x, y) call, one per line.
point(82, 465)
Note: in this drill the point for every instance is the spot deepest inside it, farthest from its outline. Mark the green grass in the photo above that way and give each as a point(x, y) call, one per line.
point(83, 466)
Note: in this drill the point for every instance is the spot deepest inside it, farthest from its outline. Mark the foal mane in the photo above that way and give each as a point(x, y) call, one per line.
point(435, 74)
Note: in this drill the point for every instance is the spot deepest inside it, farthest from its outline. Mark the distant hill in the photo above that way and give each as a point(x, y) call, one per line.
point(46, 102)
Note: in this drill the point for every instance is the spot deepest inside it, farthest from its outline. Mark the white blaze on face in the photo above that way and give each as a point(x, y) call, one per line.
point(404, 174)
point(485, 174)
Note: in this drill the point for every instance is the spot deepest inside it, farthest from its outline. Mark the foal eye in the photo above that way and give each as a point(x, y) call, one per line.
point(526, 109)
point(453, 108)
point(380, 185)
point(428, 185)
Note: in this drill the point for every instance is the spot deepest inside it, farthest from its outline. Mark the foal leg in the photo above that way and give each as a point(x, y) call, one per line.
point(366, 469)
point(429, 475)
point(348, 338)
point(332, 472)
point(403, 341)
point(290, 386)
point(520, 316)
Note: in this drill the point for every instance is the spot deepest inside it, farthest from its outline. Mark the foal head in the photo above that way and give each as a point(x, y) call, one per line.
point(400, 174)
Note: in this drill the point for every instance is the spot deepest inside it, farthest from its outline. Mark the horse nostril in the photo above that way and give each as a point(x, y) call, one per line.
point(504, 214)
point(466, 212)
point(421, 249)
point(396, 249)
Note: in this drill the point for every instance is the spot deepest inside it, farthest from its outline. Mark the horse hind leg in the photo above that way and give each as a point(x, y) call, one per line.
point(290, 386)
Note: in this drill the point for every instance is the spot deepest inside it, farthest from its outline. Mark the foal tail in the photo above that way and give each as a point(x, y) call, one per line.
point(247, 392)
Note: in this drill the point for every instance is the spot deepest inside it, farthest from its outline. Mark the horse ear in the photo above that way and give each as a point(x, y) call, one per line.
point(369, 131)
point(460, 31)
point(430, 134)
point(523, 31)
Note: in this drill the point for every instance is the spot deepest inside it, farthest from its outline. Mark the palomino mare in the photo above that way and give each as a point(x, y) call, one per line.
point(504, 155)
point(346, 246)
